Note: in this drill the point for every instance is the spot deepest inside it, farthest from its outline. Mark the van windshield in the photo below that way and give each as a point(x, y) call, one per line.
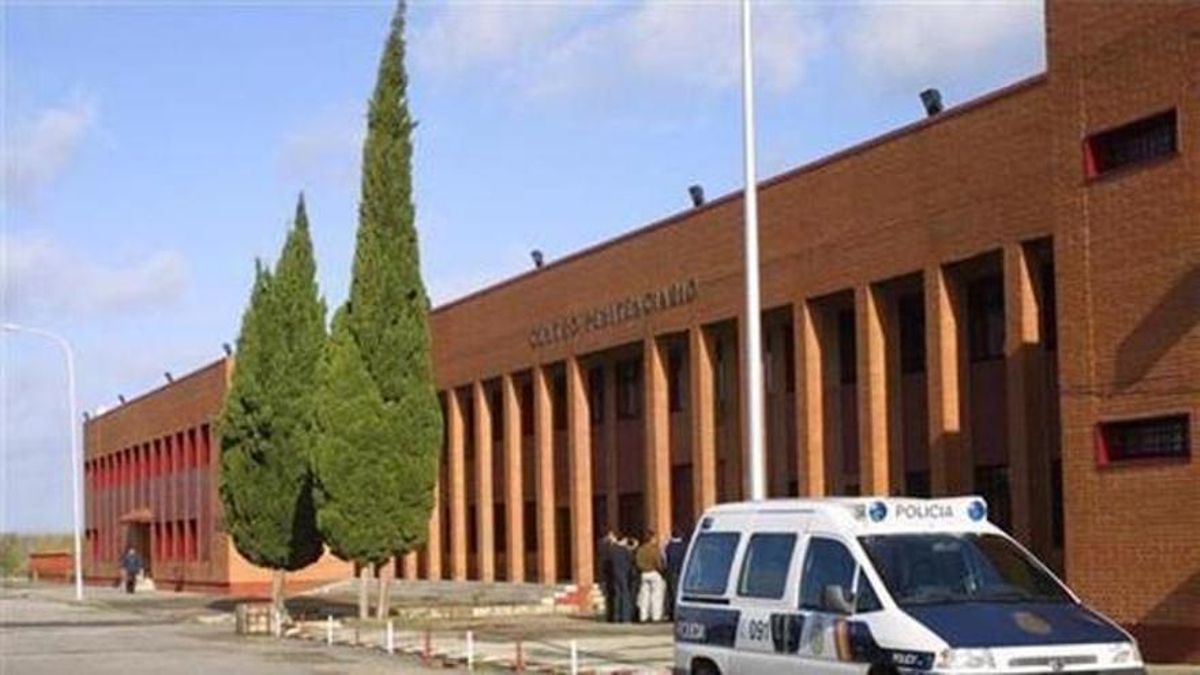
point(945, 568)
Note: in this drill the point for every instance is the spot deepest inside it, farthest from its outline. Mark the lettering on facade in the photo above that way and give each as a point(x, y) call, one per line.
point(615, 313)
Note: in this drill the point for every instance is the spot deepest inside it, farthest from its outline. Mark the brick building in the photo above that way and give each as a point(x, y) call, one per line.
point(150, 481)
point(1002, 298)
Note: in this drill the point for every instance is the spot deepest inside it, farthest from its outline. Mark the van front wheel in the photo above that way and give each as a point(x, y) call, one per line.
point(880, 669)
point(704, 667)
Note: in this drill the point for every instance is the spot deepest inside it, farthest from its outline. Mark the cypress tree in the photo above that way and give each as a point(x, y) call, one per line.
point(386, 318)
point(267, 424)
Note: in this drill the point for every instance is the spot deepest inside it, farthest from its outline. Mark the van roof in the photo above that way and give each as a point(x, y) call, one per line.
point(869, 515)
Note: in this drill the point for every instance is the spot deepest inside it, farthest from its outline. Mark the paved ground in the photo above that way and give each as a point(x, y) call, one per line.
point(41, 631)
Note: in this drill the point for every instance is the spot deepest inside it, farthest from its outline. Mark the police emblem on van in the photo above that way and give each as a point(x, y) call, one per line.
point(1032, 623)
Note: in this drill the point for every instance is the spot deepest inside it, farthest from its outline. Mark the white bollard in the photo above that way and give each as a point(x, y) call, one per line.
point(574, 657)
point(329, 630)
point(391, 638)
point(470, 650)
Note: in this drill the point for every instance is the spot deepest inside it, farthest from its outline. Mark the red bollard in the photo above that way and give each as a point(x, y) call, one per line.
point(519, 665)
point(427, 652)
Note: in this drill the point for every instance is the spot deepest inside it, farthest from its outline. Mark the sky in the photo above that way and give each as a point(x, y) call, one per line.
point(153, 150)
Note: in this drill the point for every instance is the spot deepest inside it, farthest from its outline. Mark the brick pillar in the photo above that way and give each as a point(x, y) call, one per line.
point(810, 400)
point(1028, 454)
point(579, 468)
point(409, 566)
point(946, 376)
point(657, 438)
point(456, 486)
point(433, 543)
point(514, 493)
point(484, 499)
point(543, 475)
point(874, 456)
point(704, 446)
point(612, 484)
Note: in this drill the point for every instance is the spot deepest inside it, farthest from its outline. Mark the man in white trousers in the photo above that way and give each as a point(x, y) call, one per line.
point(653, 589)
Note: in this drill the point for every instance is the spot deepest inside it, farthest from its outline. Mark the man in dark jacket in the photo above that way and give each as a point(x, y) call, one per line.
point(131, 565)
point(604, 549)
point(621, 561)
point(673, 555)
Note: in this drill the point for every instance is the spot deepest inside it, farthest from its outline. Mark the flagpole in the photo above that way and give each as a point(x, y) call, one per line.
point(756, 475)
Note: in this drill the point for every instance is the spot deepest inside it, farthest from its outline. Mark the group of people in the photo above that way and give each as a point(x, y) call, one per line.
point(639, 578)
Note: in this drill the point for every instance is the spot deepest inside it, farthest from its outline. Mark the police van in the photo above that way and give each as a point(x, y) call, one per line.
point(879, 586)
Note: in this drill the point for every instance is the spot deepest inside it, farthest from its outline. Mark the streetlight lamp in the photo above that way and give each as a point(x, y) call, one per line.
point(75, 450)
point(756, 466)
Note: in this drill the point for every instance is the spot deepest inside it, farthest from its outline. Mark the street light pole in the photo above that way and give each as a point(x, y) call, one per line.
point(756, 466)
point(76, 455)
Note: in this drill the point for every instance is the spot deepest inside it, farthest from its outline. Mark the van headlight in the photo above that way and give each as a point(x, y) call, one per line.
point(965, 659)
point(1124, 653)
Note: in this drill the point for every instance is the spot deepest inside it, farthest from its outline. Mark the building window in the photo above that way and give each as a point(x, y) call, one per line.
point(529, 514)
point(500, 527)
point(789, 358)
point(1139, 142)
point(496, 404)
point(1048, 307)
point(1056, 503)
point(675, 378)
point(558, 401)
point(847, 353)
point(912, 333)
point(722, 377)
point(526, 403)
point(1166, 437)
point(596, 394)
point(985, 318)
point(629, 390)
point(916, 484)
point(991, 482)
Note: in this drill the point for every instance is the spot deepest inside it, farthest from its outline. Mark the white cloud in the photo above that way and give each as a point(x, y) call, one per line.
point(324, 149)
point(561, 50)
point(465, 36)
point(42, 148)
point(41, 276)
point(916, 43)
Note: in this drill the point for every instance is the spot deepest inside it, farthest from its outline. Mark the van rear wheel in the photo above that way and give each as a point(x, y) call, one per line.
point(704, 667)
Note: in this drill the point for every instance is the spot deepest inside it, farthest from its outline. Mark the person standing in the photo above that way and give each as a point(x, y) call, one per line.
point(604, 549)
point(650, 596)
point(673, 555)
point(621, 563)
point(131, 565)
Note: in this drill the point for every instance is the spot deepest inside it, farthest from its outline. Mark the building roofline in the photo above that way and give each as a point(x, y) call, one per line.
point(967, 106)
point(150, 392)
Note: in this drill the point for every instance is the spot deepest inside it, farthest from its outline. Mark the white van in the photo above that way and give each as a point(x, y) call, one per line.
point(879, 586)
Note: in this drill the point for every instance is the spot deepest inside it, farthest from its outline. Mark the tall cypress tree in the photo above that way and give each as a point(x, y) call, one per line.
point(267, 424)
point(386, 318)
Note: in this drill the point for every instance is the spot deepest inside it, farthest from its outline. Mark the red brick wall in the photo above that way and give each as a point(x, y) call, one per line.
point(146, 458)
point(1128, 255)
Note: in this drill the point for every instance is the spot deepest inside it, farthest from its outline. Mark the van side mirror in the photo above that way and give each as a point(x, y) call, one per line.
point(836, 599)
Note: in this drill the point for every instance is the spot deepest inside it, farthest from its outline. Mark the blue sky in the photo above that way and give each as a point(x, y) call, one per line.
point(152, 150)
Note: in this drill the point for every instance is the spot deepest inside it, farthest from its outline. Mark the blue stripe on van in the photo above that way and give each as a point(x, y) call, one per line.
point(706, 625)
point(1015, 624)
